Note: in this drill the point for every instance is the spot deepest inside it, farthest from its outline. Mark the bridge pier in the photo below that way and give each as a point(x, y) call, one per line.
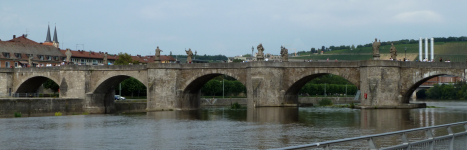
point(265, 87)
point(100, 103)
point(381, 82)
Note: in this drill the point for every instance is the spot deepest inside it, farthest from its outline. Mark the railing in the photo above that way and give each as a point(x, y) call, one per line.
point(429, 142)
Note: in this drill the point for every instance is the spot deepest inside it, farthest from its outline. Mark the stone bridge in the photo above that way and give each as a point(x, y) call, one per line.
point(177, 86)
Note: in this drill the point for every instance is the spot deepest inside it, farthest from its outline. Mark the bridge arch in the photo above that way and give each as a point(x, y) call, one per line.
point(206, 75)
point(417, 81)
point(101, 98)
point(293, 87)
point(191, 90)
point(32, 84)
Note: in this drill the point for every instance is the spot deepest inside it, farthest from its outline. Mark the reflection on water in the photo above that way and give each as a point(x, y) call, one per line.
point(215, 128)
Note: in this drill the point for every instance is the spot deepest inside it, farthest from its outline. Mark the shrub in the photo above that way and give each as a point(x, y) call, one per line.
point(58, 114)
point(325, 102)
point(17, 114)
point(235, 105)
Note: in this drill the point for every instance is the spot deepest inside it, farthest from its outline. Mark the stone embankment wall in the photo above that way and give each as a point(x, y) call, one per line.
point(30, 107)
point(132, 107)
point(303, 100)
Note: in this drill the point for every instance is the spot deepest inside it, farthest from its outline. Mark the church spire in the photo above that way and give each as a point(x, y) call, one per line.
point(55, 35)
point(47, 39)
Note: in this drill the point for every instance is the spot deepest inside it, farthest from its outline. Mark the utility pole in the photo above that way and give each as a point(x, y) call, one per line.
point(405, 53)
point(325, 90)
point(345, 90)
point(252, 49)
point(223, 86)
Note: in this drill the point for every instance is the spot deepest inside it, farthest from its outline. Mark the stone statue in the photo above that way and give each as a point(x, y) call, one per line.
point(68, 55)
point(284, 54)
point(189, 54)
point(157, 58)
point(393, 52)
point(376, 45)
point(105, 59)
point(30, 59)
point(260, 55)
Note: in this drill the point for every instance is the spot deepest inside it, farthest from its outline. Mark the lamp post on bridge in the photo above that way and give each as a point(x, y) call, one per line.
point(405, 53)
point(222, 86)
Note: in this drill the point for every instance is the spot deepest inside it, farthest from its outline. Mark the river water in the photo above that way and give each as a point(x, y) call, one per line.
point(219, 128)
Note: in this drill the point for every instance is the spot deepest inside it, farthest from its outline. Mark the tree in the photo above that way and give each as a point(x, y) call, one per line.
point(132, 85)
point(50, 84)
point(352, 47)
point(237, 61)
point(125, 59)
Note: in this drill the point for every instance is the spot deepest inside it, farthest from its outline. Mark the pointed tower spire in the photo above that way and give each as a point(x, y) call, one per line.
point(55, 35)
point(47, 39)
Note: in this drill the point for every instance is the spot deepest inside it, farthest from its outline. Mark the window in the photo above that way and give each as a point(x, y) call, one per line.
point(94, 62)
point(7, 55)
point(16, 64)
point(7, 64)
point(63, 58)
point(83, 62)
point(18, 55)
point(49, 57)
point(56, 58)
point(41, 57)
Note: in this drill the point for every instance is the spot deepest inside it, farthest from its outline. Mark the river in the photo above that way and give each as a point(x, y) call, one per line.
point(219, 128)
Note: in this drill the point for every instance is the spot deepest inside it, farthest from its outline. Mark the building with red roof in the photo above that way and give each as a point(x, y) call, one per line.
point(16, 53)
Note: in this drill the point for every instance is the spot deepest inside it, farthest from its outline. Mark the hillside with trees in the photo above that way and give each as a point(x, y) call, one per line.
point(453, 48)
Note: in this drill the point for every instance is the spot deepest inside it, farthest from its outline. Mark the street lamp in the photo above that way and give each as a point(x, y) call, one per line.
point(252, 49)
point(222, 86)
point(405, 53)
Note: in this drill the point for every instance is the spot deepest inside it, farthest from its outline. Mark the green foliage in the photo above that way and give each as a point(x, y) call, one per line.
point(214, 87)
point(447, 91)
point(17, 114)
point(352, 105)
point(235, 106)
point(125, 59)
point(132, 86)
point(237, 61)
point(334, 84)
point(58, 114)
point(325, 102)
point(50, 84)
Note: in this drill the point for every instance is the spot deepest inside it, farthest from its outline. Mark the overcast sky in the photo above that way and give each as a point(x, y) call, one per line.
point(228, 27)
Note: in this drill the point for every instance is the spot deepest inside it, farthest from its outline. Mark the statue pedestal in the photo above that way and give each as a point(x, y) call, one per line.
point(376, 57)
point(259, 58)
point(157, 60)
